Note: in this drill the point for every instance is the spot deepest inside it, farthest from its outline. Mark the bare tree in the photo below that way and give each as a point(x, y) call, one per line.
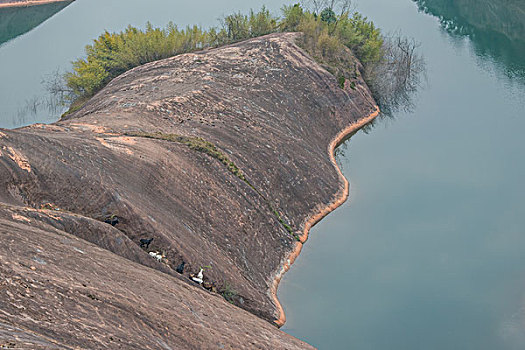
point(341, 6)
point(56, 86)
point(398, 76)
point(346, 6)
point(314, 5)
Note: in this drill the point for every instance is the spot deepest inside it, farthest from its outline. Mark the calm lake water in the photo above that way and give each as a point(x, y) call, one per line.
point(429, 252)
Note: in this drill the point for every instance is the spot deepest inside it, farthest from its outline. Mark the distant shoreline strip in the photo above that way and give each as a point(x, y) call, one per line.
point(30, 3)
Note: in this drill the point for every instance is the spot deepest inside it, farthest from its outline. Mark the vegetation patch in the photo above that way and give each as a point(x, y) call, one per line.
point(228, 293)
point(333, 35)
point(197, 144)
point(341, 81)
point(111, 54)
point(286, 226)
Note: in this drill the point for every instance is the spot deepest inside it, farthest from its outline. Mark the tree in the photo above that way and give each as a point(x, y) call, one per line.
point(398, 75)
point(328, 16)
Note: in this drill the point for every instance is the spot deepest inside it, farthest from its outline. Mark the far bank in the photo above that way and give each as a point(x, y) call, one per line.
point(25, 3)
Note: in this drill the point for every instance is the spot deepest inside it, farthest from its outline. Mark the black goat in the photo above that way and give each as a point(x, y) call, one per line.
point(113, 220)
point(180, 268)
point(144, 243)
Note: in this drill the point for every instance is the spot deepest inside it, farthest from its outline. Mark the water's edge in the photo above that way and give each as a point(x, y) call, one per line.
point(320, 212)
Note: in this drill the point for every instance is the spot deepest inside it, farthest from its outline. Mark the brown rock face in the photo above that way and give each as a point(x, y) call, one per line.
point(219, 156)
point(58, 291)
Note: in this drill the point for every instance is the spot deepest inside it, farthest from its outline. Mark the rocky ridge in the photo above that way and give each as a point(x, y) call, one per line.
point(220, 156)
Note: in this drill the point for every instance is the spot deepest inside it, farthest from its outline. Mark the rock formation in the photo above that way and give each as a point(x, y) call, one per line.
point(220, 156)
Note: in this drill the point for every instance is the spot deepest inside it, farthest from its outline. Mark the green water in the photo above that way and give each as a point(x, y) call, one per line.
point(15, 21)
point(429, 252)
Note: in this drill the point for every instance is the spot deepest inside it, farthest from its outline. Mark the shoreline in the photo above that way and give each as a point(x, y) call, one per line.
point(30, 3)
point(321, 213)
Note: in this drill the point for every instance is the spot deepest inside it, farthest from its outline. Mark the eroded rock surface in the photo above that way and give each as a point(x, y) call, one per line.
point(219, 156)
point(58, 291)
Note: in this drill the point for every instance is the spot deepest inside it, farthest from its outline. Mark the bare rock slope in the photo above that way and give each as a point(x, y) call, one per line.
point(220, 156)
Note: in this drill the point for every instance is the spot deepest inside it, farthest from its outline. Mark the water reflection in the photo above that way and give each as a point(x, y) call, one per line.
point(15, 21)
point(495, 28)
point(35, 105)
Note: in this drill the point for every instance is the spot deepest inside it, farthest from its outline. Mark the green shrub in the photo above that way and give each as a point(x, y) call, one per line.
point(237, 27)
point(228, 292)
point(341, 80)
point(292, 16)
point(326, 37)
point(111, 54)
point(328, 45)
point(262, 23)
point(368, 41)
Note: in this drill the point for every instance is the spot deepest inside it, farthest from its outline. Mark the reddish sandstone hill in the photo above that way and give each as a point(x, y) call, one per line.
point(220, 156)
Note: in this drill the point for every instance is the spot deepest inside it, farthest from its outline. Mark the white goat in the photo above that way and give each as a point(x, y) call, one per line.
point(199, 277)
point(157, 256)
